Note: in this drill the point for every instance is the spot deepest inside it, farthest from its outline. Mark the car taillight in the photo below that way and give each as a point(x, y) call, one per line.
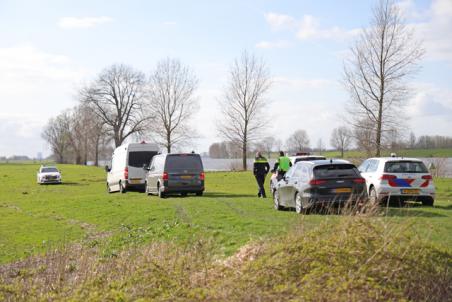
point(202, 176)
point(387, 177)
point(165, 176)
point(316, 182)
point(429, 177)
point(126, 173)
point(359, 180)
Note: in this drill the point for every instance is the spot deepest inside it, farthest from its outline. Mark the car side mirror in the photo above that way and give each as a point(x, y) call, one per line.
point(107, 169)
point(145, 167)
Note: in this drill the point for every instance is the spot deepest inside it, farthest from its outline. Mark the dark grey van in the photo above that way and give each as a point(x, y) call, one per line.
point(179, 173)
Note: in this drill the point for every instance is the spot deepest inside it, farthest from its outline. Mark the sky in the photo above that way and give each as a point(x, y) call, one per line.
point(49, 49)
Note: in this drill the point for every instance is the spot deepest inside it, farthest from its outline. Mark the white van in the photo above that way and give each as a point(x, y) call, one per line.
point(127, 164)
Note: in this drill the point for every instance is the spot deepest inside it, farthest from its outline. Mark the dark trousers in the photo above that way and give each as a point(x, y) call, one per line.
point(280, 175)
point(260, 179)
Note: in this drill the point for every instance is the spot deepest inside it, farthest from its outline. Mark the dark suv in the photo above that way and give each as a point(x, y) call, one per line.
point(180, 173)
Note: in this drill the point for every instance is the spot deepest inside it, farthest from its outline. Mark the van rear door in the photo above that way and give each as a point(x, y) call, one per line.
point(136, 161)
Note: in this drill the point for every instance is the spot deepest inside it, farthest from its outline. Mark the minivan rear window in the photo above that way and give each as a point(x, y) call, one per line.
point(405, 167)
point(335, 171)
point(181, 162)
point(138, 159)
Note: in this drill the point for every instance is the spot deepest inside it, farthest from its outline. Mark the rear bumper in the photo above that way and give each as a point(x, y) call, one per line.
point(385, 192)
point(183, 189)
point(337, 198)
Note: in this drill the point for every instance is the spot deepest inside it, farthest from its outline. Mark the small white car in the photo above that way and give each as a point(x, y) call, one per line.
point(48, 175)
point(398, 178)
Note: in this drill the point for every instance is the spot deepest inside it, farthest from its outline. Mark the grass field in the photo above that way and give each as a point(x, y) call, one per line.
point(36, 218)
point(77, 242)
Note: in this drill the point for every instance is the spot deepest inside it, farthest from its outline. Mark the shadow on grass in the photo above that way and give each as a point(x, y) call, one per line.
point(73, 184)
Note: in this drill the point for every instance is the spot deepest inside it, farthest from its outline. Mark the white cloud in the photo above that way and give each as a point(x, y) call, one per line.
point(280, 21)
point(34, 85)
point(308, 27)
point(303, 83)
point(269, 44)
point(84, 22)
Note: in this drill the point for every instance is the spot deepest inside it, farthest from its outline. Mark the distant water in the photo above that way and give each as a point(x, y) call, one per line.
point(230, 164)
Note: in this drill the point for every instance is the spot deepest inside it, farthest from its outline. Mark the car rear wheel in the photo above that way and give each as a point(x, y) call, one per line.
point(276, 201)
point(427, 201)
point(122, 189)
point(302, 205)
point(160, 192)
point(373, 195)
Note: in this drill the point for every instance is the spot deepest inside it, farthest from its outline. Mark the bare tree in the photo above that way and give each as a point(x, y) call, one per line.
point(244, 102)
point(365, 136)
point(341, 139)
point(172, 103)
point(116, 96)
point(57, 134)
point(298, 141)
point(383, 58)
point(412, 140)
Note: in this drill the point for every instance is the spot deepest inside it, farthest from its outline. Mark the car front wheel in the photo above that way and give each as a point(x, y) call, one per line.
point(276, 204)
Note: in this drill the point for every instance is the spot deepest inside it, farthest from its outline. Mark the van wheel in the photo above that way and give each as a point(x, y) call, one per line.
point(146, 189)
point(199, 193)
point(276, 204)
point(160, 193)
point(108, 188)
point(122, 189)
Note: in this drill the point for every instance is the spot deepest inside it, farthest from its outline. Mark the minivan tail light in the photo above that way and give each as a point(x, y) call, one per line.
point(316, 182)
point(387, 177)
point(165, 176)
point(202, 176)
point(126, 173)
point(359, 180)
point(429, 177)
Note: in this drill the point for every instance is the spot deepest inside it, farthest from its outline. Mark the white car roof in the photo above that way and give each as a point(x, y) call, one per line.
point(386, 159)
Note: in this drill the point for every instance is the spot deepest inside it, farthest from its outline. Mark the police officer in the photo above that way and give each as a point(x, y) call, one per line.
point(260, 170)
point(282, 165)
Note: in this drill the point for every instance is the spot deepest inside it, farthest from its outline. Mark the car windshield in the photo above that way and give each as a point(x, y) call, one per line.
point(138, 159)
point(49, 170)
point(181, 162)
point(309, 158)
point(405, 167)
point(335, 171)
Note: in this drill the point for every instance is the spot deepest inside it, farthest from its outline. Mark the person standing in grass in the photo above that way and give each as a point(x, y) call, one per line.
point(282, 165)
point(260, 170)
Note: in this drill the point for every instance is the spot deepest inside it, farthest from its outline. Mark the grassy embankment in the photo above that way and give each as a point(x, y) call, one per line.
point(375, 257)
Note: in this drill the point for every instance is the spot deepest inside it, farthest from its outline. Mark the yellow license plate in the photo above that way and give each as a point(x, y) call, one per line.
point(186, 177)
point(342, 190)
point(135, 181)
point(410, 191)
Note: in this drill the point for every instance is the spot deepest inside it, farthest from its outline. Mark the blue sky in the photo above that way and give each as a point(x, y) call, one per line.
point(49, 48)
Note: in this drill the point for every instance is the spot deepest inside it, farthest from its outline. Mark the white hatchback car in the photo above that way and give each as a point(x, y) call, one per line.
point(399, 178)
point(48, 174)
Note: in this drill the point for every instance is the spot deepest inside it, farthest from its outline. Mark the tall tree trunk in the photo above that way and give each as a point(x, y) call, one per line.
point(96, 152)
point(244, 163)
point(342, 152)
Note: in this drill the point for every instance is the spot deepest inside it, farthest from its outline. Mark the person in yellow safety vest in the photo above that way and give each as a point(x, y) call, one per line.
point(282, 165)
point(260, 170)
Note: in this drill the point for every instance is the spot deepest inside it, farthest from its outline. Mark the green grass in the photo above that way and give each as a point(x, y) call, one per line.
point(406, 153)
point(35, 218)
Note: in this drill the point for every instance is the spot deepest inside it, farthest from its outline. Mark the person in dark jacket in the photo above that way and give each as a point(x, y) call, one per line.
point(260, 170)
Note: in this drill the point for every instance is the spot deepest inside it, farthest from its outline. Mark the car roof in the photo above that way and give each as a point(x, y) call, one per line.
point(386, 159)
point(323, 162)
point(306, 156)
